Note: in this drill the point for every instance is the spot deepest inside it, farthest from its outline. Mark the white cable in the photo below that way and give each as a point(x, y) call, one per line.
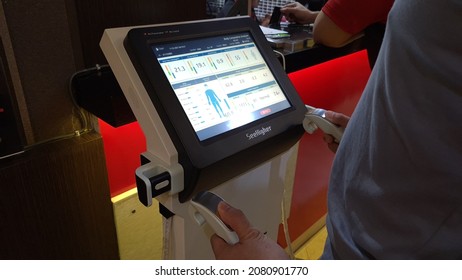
point(166, 238)
point(83, 117)
point(286, 228)
point(84, 122)
point(283, 59)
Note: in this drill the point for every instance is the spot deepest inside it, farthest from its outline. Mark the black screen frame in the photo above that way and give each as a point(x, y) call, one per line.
point(201, 154)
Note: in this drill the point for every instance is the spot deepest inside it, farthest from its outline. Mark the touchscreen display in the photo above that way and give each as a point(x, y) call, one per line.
point(221, 82)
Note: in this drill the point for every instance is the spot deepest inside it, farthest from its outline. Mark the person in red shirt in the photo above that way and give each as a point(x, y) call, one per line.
point(341, 21)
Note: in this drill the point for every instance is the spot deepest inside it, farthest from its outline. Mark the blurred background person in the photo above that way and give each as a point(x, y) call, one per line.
point(228, 6)
point(341, 21)
point(265, 9)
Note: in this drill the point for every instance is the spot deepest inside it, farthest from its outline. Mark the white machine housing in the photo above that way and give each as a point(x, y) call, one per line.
point(258, 191)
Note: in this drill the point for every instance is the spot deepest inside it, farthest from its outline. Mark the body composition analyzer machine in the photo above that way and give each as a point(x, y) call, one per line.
point(222, 122)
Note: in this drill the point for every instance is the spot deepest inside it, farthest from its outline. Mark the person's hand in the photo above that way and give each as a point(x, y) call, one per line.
point(338, 119)
point(252, 245)
point(296, 12)
point(265, 21)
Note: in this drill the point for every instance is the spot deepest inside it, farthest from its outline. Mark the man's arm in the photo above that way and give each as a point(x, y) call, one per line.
point(327, 33)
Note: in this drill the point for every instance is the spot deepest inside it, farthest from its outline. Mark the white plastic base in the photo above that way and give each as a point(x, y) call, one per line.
point(259, 193)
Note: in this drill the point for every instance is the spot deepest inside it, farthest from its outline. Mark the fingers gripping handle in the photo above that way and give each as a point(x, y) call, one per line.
point(206, 206)
point(316, 118)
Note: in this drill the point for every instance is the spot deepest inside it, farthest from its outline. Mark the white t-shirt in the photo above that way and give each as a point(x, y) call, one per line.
point(396, 185)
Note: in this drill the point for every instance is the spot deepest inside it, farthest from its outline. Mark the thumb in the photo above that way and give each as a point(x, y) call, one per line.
point(234, 218)
point(337, 118)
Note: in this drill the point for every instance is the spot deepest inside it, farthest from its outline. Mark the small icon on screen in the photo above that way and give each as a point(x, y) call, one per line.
point(265, 111)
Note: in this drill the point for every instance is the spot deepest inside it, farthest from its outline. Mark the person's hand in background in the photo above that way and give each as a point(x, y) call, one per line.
point(297, 13)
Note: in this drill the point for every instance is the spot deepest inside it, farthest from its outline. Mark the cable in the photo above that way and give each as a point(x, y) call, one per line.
point(57, 138)
point(166, 238)
point(286, 228)
point(283, 204)
point(83, 118)
point(283, 59)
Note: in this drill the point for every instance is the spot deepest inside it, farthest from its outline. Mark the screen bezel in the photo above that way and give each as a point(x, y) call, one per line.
point(139, 42)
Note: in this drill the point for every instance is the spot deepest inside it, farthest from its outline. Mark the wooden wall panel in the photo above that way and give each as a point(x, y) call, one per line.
point(44, 57)
point(55, 203)
point(95, 16)
point(54, 198)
